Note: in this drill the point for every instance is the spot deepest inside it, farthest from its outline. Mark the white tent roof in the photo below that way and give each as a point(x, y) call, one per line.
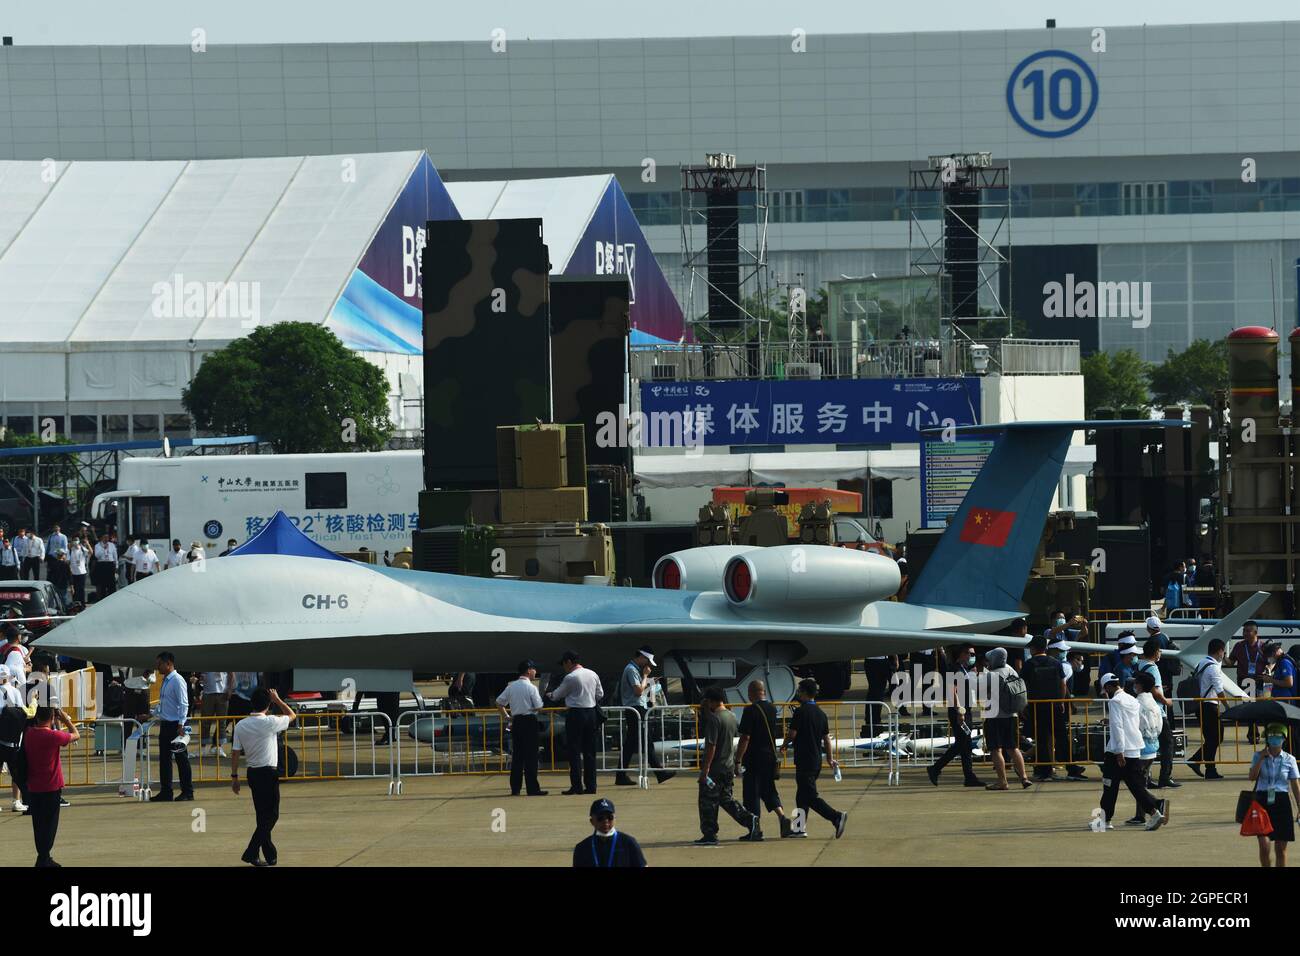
point(82, 250)
point(801, 469)
point(566, 203)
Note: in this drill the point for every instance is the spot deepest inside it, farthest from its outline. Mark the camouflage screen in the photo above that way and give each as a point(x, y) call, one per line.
point(486, 348)
point(589, 330)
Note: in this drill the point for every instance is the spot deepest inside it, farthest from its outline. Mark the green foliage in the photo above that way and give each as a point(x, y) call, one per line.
point(1114, 381)
point(292, 384)
point(1191, 376)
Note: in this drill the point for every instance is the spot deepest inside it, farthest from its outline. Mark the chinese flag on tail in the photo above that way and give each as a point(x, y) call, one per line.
point(986, 526)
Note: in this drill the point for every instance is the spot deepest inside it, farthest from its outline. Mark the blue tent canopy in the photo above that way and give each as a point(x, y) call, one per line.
point(281, 536)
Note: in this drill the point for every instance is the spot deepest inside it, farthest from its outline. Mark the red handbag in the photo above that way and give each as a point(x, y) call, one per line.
point(1256, 821)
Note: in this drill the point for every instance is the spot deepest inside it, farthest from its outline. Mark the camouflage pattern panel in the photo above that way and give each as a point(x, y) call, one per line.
point(590, 322)
point(486, 343)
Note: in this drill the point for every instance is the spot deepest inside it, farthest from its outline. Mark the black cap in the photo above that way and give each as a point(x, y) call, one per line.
point(570, 656)
point(602, 806)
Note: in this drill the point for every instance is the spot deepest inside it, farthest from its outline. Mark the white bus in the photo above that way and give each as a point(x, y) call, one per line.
point(343, 501)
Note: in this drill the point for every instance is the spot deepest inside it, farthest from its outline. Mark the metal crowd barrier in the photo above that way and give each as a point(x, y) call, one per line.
point(109, 753)
point(862, 733)
point(477, 741)
point(319, 745)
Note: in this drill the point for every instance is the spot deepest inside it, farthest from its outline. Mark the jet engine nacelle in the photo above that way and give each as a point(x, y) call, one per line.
point(809, 575)
point(696, 569)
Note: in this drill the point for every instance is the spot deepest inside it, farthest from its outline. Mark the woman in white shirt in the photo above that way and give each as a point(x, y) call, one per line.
point(1277, 778)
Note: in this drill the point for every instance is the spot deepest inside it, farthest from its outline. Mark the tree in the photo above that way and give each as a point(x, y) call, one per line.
point(1191, 376)
point(1114, 381)
point(293, 384)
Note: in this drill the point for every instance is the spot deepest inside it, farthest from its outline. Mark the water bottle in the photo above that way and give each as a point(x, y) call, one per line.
point(838, 776)
point(708, 783)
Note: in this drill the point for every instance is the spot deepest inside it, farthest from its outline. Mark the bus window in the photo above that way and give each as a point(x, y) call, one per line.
point(326, 489)
point(149, 519)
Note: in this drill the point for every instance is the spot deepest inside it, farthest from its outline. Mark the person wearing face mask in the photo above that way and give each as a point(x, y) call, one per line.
point(607, 847)
point(1277, 778)
point(1123, 763)
point(1048, 718)
point(961, 670)
point(1210, 675)
point(1149, 664)
point(1150, 720)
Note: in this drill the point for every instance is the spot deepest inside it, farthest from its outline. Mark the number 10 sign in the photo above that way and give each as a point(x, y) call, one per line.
point(1052, 93)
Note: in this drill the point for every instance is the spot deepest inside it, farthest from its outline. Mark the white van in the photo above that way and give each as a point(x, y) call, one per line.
point(344, 501)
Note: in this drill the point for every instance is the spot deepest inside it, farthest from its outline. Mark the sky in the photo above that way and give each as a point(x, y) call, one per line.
point(324, 21)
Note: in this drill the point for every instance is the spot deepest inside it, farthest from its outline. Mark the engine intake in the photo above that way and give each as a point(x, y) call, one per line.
point(801, 576)
point(695, 569)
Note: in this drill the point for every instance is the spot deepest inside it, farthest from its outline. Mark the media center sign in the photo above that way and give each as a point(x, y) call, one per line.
point(1052, 93)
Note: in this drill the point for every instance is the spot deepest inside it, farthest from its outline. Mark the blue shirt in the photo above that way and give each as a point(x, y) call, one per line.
point(1277, 772)
point(1285, 668)
point(1145, 666)
point(174, 699)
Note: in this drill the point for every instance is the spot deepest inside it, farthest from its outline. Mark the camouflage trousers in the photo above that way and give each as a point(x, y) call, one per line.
point(719, 796)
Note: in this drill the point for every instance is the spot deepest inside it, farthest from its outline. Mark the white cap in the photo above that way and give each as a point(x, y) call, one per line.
point(1109, 679)
point(1153, 623)
point(1128, 640)
point(1058, 646)
point(1128, 650)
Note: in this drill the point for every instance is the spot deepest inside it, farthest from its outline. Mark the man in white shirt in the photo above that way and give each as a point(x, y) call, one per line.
point(256, 736)
point(33, 555)
point(78, 568)
point(16, 657)
point(581, 692)
point(176, 556)
point(1123, 761)
point(146, 561)
point(520, 704)
point(104, 568)
point(127, 575)
point(1210, 674)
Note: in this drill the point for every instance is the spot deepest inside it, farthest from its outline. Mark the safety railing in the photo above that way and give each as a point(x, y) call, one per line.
point(861, 732)
point(1236, 742)
point(109, 753)
point(1057, 732)
point(319, 745)
point(479, 741)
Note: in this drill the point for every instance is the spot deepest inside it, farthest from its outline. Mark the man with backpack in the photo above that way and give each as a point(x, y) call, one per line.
point(1281, 677)
point(1209, 681)
point(1149, 663)
point(1008, 699)
point(1049, 716)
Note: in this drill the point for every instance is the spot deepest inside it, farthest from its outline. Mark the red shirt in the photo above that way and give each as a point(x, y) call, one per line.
point(44, 769)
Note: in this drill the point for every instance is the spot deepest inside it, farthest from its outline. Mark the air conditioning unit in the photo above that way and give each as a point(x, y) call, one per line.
point(803, 370)
point(663, 373)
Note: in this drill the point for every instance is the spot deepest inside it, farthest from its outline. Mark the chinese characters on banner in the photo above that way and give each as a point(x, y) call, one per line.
point(846, 411)
point(332, 527)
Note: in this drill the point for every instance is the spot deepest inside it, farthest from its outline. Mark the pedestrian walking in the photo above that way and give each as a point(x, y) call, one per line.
point(1277, 779)
point(214, 705)
point(718, 770)
point(1007, 698)
point(756, 759)
point(1209, 675)
point(961, 669)
point(809, 735)
point(521, 706)
point(1150, 722)
point(256, 737)
point(1123, 763)
point(1149, 664)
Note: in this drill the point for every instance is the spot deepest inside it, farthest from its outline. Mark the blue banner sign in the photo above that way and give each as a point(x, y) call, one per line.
point(840, 411)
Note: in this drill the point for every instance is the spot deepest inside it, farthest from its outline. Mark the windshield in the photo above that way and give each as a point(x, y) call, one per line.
point(28, 603)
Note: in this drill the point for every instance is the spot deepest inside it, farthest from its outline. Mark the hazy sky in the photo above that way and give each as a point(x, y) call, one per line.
point(36, 22)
